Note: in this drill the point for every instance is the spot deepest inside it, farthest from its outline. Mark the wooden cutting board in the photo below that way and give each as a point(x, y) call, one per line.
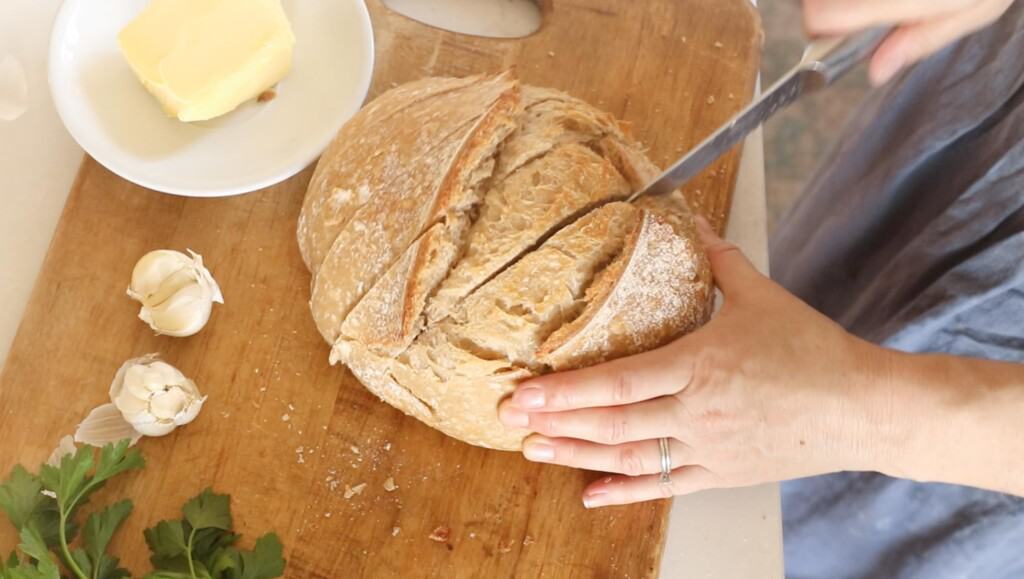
point(284, 432)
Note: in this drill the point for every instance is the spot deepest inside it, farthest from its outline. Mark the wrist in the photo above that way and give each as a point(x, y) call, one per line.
point(876, 430)
point(960, 422)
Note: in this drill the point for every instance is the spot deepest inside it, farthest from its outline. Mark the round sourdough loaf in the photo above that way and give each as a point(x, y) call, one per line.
point(443, 273)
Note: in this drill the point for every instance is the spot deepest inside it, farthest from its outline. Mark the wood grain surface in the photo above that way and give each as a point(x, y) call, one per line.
point(284, 432)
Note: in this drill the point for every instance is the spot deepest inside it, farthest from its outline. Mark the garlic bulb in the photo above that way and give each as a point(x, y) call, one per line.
point(176, 292)
point(154, 397)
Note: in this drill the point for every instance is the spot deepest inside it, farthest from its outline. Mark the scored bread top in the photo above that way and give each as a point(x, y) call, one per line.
point(419, 123)
point(435, 188)
point(457, 276)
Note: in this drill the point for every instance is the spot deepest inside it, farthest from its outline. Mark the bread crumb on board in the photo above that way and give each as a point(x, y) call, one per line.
point(395, 531)
point(505, 546)
point(718, 44)
point(389, 485)
point(528, 540)
point(353, 491)
point(440, 534)
point(711, 100)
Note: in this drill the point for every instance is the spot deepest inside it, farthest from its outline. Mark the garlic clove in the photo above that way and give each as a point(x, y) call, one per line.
point(176, 292)
point(105, 425)
point(163, 268)
point(65, 447)
point(153, 396)
point(166, 405)
point(183, 314)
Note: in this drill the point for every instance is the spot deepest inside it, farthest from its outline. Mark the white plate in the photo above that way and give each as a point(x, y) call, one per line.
point(115, 120)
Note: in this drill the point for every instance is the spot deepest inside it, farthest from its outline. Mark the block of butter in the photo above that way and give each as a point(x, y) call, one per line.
point(203, 58)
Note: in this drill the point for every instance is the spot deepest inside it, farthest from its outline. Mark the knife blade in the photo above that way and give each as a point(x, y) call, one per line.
point(824, 61)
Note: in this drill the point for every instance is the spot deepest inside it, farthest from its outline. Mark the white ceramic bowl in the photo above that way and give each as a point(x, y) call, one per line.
point(115, 120)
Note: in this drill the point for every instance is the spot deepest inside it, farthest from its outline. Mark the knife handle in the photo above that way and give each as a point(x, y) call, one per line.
point(829, 58)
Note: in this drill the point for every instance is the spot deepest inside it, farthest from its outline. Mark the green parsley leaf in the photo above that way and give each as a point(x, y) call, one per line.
point(167, 546)
point(21, 496)
point(33, 545)
point(225, 564)
point(207, 543)
point(115, 459)
point(100, 527)
point(109, 568)
point(27, 571)
point(209, 510)
point(71, 480)
point(81, 559)
point(266, 560)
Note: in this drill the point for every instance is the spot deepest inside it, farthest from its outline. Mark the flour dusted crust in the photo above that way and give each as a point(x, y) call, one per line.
point(454, 275)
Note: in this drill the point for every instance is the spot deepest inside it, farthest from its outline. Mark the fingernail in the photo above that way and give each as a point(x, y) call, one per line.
point(529, 397)
point(539, 451)
point(512, 417)
point(595, 498)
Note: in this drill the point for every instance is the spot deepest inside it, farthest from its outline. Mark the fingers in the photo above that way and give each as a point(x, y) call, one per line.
point(624, 381)
point(914, 42)
point(647, 420)
point(732, 270)
point(632, 459)
point(624, 490)
point(827, 17)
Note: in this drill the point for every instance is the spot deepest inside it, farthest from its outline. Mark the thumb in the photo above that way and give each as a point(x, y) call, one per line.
point(732, 270)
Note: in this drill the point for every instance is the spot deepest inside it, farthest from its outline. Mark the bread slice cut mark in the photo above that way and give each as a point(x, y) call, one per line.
point(511, 316)
point(390, 316)
point(529, 204)
point(660, 277)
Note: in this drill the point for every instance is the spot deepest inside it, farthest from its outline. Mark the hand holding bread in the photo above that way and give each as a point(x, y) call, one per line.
point(768, 390)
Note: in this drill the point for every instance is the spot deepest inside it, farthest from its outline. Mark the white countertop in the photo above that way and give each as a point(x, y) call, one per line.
point(721, 534)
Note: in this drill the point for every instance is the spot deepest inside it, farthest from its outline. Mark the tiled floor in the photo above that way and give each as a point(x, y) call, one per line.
point(797, 137)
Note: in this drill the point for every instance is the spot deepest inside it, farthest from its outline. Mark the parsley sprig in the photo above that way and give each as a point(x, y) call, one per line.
point(43, 508)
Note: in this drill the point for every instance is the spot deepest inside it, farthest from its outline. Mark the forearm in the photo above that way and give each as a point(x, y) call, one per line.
point(956, 420)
